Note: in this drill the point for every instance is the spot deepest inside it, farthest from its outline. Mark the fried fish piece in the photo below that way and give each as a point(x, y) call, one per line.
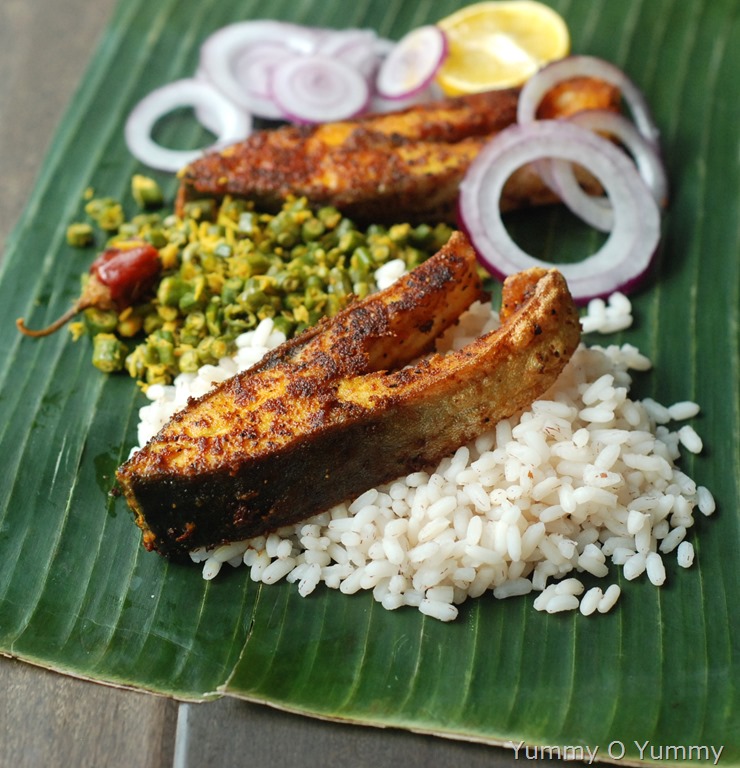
point(348, 405)
point(405, 165)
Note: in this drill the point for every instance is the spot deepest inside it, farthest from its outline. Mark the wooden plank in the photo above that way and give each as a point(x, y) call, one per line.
point(231, 732)
point(56, 721)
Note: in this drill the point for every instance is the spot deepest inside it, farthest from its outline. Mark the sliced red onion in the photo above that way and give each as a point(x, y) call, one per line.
point(556, 72)
point(644, 153)
point(221, 52)
point(208, 117)
point(594, 210)
point(228, 122)
point(253, 68)
point(413, 62)
point(360, 48)
point(239, 61)
point(316, 89)
point(627, 253)
point(597, 211)
point(431, 93)
point(254, 65)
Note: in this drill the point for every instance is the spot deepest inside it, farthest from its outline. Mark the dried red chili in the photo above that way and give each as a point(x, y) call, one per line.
point(118, 277)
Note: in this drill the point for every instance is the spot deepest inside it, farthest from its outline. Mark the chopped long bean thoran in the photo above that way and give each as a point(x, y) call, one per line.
point(227, 266)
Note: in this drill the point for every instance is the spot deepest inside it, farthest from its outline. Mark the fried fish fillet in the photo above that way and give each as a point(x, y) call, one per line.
point(348, 405)
point(405, 165)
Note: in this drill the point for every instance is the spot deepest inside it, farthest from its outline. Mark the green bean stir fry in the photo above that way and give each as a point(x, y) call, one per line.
point(226, 266)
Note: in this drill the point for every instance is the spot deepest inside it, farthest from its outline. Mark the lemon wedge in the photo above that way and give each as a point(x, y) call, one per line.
point(499, 44)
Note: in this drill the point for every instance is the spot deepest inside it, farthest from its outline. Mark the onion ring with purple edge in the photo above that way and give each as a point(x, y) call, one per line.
point(228, 122)
point(626, 255)
point(534, 90)
point(431, 93)
point(412, 63)
point(205, 114)
point(360, 48)
point(317, 89)
point(253, 68)
point(221, 51)
point(596, 210)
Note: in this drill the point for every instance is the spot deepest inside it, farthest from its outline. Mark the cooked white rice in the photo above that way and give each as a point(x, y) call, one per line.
point(610, 316)
point(561, 495)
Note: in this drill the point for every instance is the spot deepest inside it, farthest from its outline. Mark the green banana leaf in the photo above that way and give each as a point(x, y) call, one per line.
point(79, 594)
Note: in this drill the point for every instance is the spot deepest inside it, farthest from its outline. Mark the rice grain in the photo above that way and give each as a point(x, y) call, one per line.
point(584, 479)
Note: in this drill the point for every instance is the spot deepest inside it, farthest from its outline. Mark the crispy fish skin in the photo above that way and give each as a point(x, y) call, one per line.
point(222, 430)
point(326, 417)
point(405, 165)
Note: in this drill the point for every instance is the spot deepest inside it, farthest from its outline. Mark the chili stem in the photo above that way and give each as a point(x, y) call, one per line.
point(55, 326)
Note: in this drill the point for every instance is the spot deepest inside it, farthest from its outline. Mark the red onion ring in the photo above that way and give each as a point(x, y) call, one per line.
point(227, 121)
point(316, 89)
point(240, 60)
point(626, 255)
point(254, 65)
point(412, 63)
point(534, 90)
point(360, 48)
point(597, 211)
point(208, 117)
point(221, 51)
point(431, 93)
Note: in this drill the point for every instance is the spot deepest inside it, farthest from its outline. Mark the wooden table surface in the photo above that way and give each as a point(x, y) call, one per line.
point(48, 719)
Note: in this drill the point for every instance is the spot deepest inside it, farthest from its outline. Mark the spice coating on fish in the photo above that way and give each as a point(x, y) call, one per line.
point(347, 406)
point(401, 166)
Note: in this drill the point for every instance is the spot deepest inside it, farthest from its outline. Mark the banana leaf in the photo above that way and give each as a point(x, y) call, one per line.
point(80, 595)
